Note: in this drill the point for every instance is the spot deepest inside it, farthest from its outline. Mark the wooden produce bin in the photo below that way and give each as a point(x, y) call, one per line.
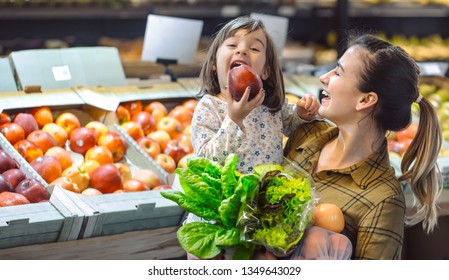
point(59, 219)
point(109, 213)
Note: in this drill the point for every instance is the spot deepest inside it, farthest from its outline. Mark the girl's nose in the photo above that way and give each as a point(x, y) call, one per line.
point(242, 51)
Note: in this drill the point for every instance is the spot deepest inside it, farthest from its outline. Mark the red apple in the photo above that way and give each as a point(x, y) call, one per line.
point(106, 178)
point(43, 139)
point(161, 136)
point(166, 162)
point(57, 132)
point(125, 172)
point(190, 104)
point(5, 185)
point(11, 198)
point(155, 106)
point(28, 150)
point(14, 176)
point(182, 163)
point(114, 142)
point(133, 129)
point(48, 167)
point(149, 145)
point(146, 121)
point(182, 114)
point(67, 184)
point(91, 192)
point(12, 132)
point(171, 125)
point(81, 139)
point(33, 190)
point(162, 187)
point(98, 127)
point(6, 161)
point(148, 177)
point(27, 122)
point(68, 121)
point(100, 154)
point(4, 118)
point(185, 141)
point(174, 150)
point(123, 115)
point(134, 185)
point(240, 77)
point(62, 155)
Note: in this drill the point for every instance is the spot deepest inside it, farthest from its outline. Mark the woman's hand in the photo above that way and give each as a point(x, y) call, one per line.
point(307, 107)
point(238, 110)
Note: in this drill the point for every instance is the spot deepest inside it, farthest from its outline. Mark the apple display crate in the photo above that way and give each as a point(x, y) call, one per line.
point(59, 219)
point(109, 214)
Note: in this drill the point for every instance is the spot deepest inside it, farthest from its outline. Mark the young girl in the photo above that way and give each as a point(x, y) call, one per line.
point(252, 129)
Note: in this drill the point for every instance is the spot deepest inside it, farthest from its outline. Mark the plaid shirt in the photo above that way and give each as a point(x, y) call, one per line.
point(367, 192)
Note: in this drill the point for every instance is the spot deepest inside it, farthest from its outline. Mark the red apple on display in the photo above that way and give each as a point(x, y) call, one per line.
point(146, 121)
point(68, 121)
point(48, 167)
point(149, 145)
point(162, 187)
point(12, 198)
point(161, 136)
point(28, 150)
point(114, 142)
point(81, 139)
point(6, 162)
point(4, 118)
point(43, 139)
point(106, 178)
point(27, 122)
point(171, 125)
point(125, 172)
point(148, 177)
point(166, 162)
point(5, 185)
point(182, 114)
point(67, 184)
point(91, 192)
point(240, 77)
point(14, 176)
point(33, 190)
point(134, 185)
point(98, 127)
point(12, 132)
point(174, 150)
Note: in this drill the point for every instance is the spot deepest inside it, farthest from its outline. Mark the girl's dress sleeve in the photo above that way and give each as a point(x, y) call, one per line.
point(290, 118)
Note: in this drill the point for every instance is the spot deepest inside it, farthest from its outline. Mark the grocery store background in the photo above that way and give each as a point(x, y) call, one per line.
point(314, 32)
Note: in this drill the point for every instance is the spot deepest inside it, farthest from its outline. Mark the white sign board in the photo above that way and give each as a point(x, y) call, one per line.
point(171, 38)
point(277, 27)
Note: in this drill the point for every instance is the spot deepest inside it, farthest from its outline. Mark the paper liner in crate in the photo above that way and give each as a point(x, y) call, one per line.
point(58, 219)
point(122, 212)
point(270, 208)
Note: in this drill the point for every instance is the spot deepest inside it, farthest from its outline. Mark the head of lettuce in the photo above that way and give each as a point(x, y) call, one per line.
point(270, 207)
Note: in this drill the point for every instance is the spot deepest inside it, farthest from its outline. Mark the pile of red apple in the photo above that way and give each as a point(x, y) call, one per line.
point(50, 141)
point(163, 134)
point(15, 187)
point(399, 141)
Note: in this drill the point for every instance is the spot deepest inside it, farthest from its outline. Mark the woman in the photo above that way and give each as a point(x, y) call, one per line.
point(368, 94)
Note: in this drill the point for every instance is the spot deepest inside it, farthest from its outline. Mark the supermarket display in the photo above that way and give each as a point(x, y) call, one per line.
point(96, 129)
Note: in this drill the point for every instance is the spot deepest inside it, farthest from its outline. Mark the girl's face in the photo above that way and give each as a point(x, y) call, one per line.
point(242, 48)
point(340, 88)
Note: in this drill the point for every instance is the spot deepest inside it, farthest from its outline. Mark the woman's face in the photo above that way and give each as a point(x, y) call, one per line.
point(340, 87)
point(242, 48)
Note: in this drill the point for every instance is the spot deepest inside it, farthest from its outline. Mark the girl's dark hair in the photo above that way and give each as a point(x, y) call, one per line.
point(394, 76)
point(273, 85)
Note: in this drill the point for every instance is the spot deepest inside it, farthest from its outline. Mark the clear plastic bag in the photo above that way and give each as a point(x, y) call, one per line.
point(322, 244)
point(282, 211)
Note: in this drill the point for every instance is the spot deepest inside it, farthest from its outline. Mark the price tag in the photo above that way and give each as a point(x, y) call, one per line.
point(61, 73)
